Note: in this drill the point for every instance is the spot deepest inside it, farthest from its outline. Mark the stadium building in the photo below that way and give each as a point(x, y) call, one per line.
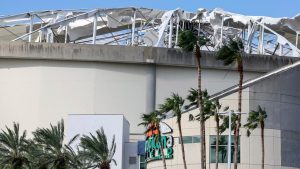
point(106, 62)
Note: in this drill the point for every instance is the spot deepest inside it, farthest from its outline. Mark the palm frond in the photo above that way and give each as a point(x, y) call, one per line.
point(14, 148)
point(95, 148)
point(255, 119)
point(231, 52)
point(175, 104)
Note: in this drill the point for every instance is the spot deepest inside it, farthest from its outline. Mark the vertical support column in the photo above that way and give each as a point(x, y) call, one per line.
point(261, 40)
point(30, 28)
point(280, 50)
point(229, 142)
point(177, 29)
point(133, 28)
point(297, 38)
point(150, 88)
point(249, 31)
point(199, 26)
point(95, 28)
point(66, 33)
point(49, 36)
point(139, 161)
point(139, 38)
point(170, 32)
point(222, 25)
point(40, 35)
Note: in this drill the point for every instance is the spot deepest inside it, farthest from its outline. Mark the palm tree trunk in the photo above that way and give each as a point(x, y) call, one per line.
point(162, 152)
point(182, 145)
point(262, 146)
point(217, 143)
point(237, 129)
point(200, 105)
point(105, 165)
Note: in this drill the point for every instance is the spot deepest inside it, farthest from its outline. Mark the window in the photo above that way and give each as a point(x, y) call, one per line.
point(190, 139)
point(222, 149)
point(142, 162)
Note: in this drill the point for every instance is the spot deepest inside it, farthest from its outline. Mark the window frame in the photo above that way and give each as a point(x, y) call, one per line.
point(213, 138)
point(194, 139)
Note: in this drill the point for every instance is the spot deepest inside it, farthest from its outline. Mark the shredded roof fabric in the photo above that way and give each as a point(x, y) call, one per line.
point(153, 27)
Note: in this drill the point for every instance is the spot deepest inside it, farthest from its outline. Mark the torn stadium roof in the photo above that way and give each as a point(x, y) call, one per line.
point(152, 27)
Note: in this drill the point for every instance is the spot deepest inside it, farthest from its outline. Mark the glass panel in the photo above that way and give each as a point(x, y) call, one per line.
point(142, 162)
point(223, 140)
point(222, 153)
point(212, 140)
point(143, 166)
point(186, 139)
point(142, 159)
point(196, 139)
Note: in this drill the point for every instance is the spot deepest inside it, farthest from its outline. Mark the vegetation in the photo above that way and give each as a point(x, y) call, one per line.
point(175, 104)
point(257, 119)
point(47, 149)
point(230, 53)
point(210, 109)
point(97, 151)
point(225, 124)
point(215, 110)
point(151, 122)
point(189, 41)
point(14, 148)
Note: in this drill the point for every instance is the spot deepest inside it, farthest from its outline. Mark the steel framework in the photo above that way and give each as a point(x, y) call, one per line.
point(152, 27)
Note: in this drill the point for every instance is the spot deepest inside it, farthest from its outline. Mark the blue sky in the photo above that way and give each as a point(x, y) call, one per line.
point(274, 8)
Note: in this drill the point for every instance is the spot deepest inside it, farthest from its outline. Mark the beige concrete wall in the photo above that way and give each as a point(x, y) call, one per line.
point(180, 80)
point(250, 147)
point(38, 92)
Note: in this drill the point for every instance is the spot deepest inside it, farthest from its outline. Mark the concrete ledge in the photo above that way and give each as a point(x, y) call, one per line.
point(128, 54)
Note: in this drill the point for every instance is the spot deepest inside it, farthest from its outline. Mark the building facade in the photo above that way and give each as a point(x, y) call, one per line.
point(280, 98)
point(50, 81)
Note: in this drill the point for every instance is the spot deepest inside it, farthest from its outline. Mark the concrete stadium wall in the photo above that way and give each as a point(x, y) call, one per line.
point(280, 96)
point(37, 92)
point(42, 83)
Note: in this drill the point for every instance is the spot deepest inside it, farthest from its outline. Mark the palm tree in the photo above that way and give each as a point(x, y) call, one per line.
point(175, 104)
point(76, 160)
point(215, 112)
point(152, 123)
point(208, 105)
point(232, 52)
point(210, 108)
point(49, 148)
point(188, 41)
point(193, 98)
point(225, 124)
point(216, 106)
point(13, 148)
point(255, 119)
point(96, 149)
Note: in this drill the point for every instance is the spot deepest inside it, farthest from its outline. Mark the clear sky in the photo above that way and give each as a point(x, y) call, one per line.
point(274, 8)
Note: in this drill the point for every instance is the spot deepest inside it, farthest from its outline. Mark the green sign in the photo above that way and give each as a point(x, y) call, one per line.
point(153, 148)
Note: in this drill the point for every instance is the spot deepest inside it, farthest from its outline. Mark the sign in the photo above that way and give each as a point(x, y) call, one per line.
point(153, 147)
